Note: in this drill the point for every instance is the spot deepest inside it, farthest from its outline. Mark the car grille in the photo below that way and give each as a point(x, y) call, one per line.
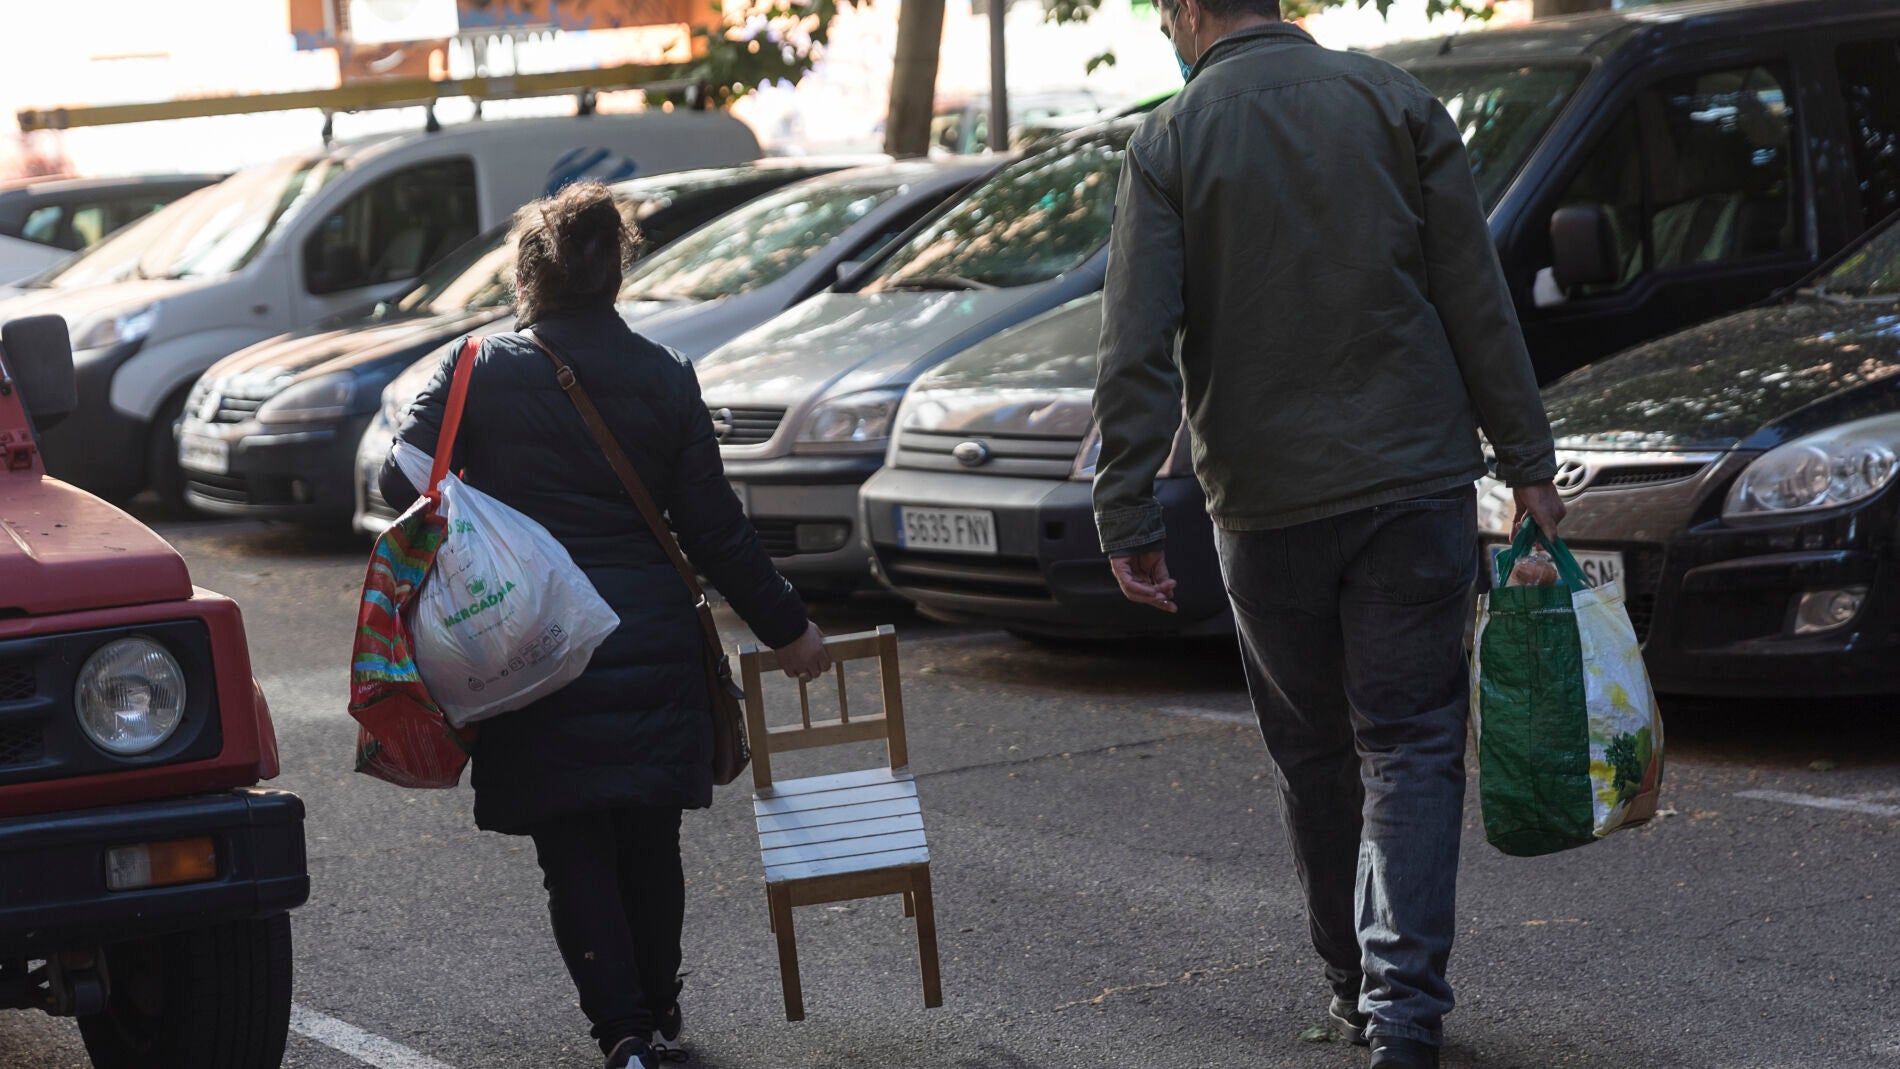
point(236, 409)
point(746, 426)
point(230, 489)
point(18, 681)
point(1020, 455)
point(1613, 477)
point(21, 744)
point(1018, 578)
point(22, 741)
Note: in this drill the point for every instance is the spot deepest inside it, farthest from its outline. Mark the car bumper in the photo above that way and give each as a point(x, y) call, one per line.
point(53, 892)
point(1049, 575)
point(294, 472)
point(1714, 603)
point(805, 509)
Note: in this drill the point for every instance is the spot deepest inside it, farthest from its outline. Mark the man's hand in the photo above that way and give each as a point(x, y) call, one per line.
point(1144, 579)
point(806, 658)
point(1542, 503)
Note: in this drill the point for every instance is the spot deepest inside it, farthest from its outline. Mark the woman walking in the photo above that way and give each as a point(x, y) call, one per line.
point(599, 772)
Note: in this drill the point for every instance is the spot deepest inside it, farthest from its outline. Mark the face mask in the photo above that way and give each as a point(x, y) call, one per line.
point(1187, 69)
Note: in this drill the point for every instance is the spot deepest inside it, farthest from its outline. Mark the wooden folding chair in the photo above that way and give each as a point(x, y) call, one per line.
point(840, 837)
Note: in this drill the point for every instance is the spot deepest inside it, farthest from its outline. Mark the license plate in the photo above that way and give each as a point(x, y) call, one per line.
point(947, 530)
point(738, 491)
point(204, 454)
point(1599, 566)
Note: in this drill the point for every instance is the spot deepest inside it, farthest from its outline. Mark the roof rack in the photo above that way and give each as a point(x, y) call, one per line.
point(584, 85)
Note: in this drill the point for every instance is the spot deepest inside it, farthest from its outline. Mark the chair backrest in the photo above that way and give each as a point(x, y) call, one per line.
point(808, 734)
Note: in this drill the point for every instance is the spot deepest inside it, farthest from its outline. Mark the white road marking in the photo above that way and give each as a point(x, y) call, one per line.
point(365, 1047)
point(1849, 805)
point(1224, 716)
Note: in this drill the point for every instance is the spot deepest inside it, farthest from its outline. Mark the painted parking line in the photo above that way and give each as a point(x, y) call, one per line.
point(365, 1047)
point(1863, 804)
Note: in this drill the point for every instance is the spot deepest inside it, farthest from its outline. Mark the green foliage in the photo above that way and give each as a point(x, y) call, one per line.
point(1627, 755)
point(756, 42)
point(1478, 10)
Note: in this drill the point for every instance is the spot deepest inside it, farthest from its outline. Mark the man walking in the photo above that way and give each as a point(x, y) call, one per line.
point(1304, 224)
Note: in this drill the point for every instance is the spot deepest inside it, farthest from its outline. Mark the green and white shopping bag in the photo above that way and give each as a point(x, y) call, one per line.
point(1570, 743)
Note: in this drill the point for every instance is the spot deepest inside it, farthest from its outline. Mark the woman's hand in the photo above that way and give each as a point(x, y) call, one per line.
point(806, 658)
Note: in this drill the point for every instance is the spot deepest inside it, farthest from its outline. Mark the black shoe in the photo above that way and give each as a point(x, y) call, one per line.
point(668, 1022)
point(1346, 1015)
point(630, 1053)
point(1390, 1052)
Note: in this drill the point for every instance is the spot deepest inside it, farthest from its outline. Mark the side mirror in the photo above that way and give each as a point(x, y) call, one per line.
point(1583, 246)
point(38, 354)
point(848, 269)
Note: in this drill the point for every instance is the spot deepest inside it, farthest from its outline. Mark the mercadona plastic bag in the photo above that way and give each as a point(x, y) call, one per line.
point(505, 616)
point(1570, 743)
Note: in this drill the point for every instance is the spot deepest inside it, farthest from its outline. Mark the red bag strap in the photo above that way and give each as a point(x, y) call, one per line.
point(452, 413)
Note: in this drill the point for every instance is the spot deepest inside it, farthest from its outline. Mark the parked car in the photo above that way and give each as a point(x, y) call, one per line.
point(983, 512)
point(45, 222)
point(1738, 479)
point(962, 127)
point(803, 404)
point(290, 243)
point(247, 445)
point(731, 275)
point(145, 879)
point(1652, 168)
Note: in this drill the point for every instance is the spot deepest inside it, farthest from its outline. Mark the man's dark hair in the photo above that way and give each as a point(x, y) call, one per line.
point(1227, 9)
point(571, 249)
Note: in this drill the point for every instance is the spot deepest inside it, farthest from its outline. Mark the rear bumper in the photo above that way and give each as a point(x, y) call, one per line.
point(298, 472)
point(1049, 575)
point(53, 891)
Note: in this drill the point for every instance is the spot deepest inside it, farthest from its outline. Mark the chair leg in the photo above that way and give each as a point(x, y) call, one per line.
point(781, 900)
point(910, 904)
point(927, 936)
point(771, 911)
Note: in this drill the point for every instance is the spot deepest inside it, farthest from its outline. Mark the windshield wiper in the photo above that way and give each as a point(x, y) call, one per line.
point(938, 282)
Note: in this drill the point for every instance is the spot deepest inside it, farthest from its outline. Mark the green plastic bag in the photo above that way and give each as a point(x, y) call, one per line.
point(1570, 741)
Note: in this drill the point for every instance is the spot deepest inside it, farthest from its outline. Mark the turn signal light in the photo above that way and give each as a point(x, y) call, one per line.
point(133, 868)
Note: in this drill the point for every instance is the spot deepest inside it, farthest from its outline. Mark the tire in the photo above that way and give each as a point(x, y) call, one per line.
point(163, 474)
point(213, 998)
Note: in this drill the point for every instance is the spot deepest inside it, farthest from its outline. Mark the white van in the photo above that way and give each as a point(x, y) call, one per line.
point(286, 244)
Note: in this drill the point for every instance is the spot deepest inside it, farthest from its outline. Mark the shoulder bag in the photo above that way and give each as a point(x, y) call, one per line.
point(730, 752)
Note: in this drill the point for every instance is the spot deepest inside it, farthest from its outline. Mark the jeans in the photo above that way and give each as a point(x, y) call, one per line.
point(617, 895)
point(1352, 630)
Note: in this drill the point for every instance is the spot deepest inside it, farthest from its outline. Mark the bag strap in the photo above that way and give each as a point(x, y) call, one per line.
point(452, 414)
point(629, 478)
point(1528, 535)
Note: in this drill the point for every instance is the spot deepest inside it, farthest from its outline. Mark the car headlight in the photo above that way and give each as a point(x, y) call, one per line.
point(1835, 467)
point(119, 327)
point(852, 420)
point(130, 696)
point(325, 397)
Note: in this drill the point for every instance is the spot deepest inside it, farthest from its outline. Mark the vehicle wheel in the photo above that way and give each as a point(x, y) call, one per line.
point(213, 998)
point(163, 474)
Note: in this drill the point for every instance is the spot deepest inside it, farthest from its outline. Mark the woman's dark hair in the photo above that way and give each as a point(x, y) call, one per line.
point(571, 250)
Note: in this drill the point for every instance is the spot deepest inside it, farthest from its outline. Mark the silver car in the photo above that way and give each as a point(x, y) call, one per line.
point(804, 404)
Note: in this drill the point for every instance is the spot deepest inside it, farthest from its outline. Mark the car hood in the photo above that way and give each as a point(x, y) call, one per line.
point(1037, 379)
point(1747, 380)
point(64, 550)
point(307, 354)
point(849, 342)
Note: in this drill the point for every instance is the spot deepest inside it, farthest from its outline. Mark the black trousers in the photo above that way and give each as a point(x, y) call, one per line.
point(617, 895)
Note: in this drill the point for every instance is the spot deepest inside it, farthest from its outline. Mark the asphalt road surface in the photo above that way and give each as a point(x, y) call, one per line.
point(1112, 886)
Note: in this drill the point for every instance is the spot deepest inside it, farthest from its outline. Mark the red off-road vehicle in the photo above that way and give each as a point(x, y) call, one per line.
point(145, 880)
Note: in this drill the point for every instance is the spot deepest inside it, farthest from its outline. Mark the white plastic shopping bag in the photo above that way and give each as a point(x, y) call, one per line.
point(505, 617)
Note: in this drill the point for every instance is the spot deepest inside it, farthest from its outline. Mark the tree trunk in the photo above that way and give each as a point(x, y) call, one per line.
point(1544, 9)
point(914, 78)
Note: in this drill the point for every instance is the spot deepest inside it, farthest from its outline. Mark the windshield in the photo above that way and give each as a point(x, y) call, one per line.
point(480, 274)
point(115, 258)
point(220, 232)
point(1873, 270)
point(1027, 223)
point(759, 243)
point(1502, 112)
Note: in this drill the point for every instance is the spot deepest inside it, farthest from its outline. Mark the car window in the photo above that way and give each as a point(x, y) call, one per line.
point(1873, 270)
point(1027, 223)
point(757, 244)
point(90, 223)
point(393, 229)
point(1699, 171)
point(42, 224)
point(1502, 112)
point(481, 264)
point(1870, 83)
